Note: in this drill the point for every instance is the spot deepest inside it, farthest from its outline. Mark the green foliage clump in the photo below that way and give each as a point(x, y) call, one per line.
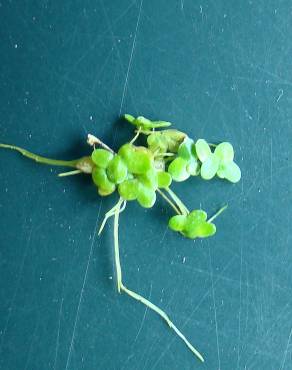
point(194, 225)
point(141, 172)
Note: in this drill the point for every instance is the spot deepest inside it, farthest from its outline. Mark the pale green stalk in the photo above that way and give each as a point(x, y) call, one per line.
point(136, 136)
point(40, 159)
point(179, 203)
point(165, 197)
point(222, 209)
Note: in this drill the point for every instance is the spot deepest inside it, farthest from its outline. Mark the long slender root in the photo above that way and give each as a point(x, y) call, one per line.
point(165, 317)
point(122, 288)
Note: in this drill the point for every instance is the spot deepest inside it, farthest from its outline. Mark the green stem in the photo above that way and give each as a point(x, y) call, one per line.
point(39, 159)
point(165, 197)
point(136, 296)
point(83, 164)
point(217, 213)
point(179, 203)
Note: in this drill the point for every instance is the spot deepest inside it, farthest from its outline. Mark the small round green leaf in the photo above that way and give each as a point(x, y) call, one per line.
point(157, 142)
point(105, 192)
point(194, 219)
point(126, 151)
point(129, 118)
point(177, 223)
point(117, 170)
point(142, 122)
point(101, 180)
point(209, 167)
point(101, 157)
point(201, 230)
point(206, 229)
point(146, 123)
point(128, 189)
point(164, 179)
point(174, 138)
point(187, 149)
point(197, 215)
point(159, 124)
point(178, 169)
point(146, 197)
point(138, 159)
point(224, 152)
point(149, 179)
point(229, 171)
point(203, 150)
point(193, 167)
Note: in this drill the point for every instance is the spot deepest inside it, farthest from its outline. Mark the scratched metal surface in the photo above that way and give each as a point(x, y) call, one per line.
point(219, 70)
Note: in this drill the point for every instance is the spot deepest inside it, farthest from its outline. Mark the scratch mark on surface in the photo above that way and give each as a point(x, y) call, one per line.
point(139, 330)
point(58, 333)
point(239, 312)
point(286, 351)
point(163, 235)
point(11, 306)
point(271, 161)
point(207, 293)
point(82, 288)
point(282, 315)
point(247, 299)
point(182, 4)
point(281, 91)
point(214, 101)
point(144, 316)
point(215, 311)
point(131, 59)
point(31, 344)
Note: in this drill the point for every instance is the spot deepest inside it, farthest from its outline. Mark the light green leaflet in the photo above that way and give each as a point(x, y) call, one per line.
point(194, 225)
point(186, 164)
point(220, 162)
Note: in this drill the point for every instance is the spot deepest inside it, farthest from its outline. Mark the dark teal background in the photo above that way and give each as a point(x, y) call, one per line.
point(220, 70)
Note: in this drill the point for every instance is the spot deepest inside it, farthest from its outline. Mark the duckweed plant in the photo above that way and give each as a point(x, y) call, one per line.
point(139, 173)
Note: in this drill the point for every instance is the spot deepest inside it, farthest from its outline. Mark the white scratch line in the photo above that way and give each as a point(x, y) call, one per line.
point(280, 95)
point(144, 316)
point(271, 162)
point(31, 344)
point(82, 289)
point(206, 294)
point(182, 4)
point(215, 311)
point(58, 333)
point(11, 306)
point(131, 58)
point(140, 328)
point(286, 350)
point(239, 312)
